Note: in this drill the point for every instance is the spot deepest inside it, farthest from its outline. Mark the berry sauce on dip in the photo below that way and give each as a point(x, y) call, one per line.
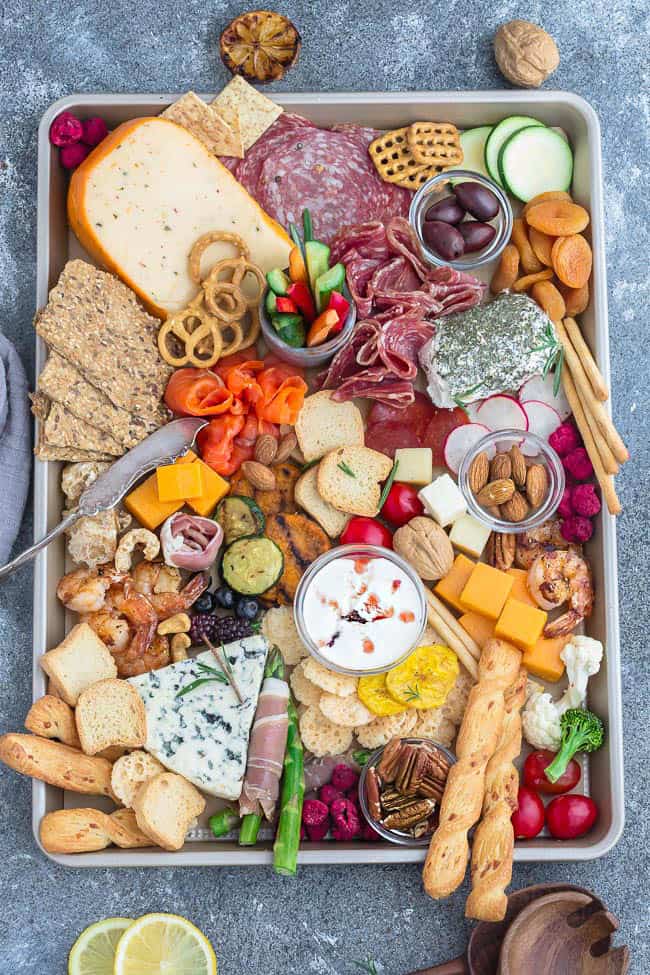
point(363, 613)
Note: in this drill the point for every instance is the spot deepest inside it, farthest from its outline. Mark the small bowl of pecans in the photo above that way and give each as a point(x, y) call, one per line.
point(512, 481)
point(401, 787)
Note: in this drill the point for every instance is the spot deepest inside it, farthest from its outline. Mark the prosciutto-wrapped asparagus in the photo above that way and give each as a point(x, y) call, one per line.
point(266, 750)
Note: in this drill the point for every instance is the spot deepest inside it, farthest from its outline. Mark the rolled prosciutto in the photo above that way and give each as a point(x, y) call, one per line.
point(266, 750)
point(190, 542)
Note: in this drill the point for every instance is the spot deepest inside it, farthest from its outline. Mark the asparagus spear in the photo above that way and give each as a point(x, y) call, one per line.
point(287, 838)
point(223, 821)
point(250, 824)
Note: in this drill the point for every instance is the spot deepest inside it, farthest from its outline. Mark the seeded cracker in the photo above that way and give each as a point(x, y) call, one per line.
point(256, 112)
point(221, 137)
point(348, 712)
point(62, 429)
point(280, 630)
point(340, 684)
point(322, 737)
point(303, 690)
point(95, 322)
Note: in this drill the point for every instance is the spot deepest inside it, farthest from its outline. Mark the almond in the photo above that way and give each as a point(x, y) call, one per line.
point(496, 492)
point(500, 467)
point(519, 469)
point(266, 448)
point(260, 477)
point(536, 484)
point(516, 508)
point(479, 472)
point(286, 447)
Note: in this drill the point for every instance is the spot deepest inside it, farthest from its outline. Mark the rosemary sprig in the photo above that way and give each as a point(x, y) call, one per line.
point(388, 485)
point(367, 965)
point(413, 693)
point(462, 400)
point(346, 469)
point(309, 464)
point(215, 676)
point(555, 358)
point(222, 658)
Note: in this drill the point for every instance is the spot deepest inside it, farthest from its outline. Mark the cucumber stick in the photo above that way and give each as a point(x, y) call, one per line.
point(533, 160)
point(498, 136)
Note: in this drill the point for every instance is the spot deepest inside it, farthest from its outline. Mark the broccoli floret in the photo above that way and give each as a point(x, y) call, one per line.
point(582, 731)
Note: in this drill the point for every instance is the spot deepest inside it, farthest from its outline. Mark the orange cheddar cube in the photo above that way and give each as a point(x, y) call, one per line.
point(480, 628)
point(187, 458)
point(520, 624)
point(214, 489)
point(486, 591)
point(520, 587)
point(544, 659)
point(145, 506)
point(450, 587)
point(178, 482)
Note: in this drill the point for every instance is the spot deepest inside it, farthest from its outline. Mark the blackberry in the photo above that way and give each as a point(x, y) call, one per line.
point(218, 629)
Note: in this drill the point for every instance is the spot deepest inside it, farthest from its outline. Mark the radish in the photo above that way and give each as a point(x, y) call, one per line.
point(462, 439)
point(542, 420)
point(472, 410)
point(540, 388)
point(502, 412)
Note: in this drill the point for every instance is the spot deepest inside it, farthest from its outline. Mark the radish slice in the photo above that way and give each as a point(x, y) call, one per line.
point(472, 410)
point(540, 388)
point(542, 420)
point(501, 412)
point(462, 439)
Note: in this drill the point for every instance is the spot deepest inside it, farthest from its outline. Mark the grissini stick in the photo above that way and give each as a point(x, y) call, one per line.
point(494, 840)
point(453, 624)
point(609, 462)
point(583, 351)
point(478, 737)
point(446, 634)
point(57, 764)
point(89, 830)
point(51, 717)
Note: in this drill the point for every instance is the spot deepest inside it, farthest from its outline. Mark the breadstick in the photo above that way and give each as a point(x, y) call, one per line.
point(56, 764)
point(89, 830)
point(609, 463)
point(452, 641)
point(478, 737)
point(592, 405)
point(583, 351)
point(494, 840)
point(51, 717)
point(606, 482)
point(453, 624)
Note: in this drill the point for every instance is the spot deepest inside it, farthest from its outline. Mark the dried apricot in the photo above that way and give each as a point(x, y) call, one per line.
point(559, 218)
point(506, 274)
point(549, 300)
point(528, 280)
point(544, 197)
point(575, 299)
point(572, 260)
point(542, 245)
point(519, 238)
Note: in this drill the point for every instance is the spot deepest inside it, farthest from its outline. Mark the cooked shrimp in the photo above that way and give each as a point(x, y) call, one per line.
point(169, 603)
point(561, 577)
point(111, 628)
point(155, 577)
point(533, 543)
point(84, 591)
point(157, 655)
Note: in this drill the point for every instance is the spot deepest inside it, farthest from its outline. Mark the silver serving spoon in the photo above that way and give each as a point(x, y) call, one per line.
point(162, 447)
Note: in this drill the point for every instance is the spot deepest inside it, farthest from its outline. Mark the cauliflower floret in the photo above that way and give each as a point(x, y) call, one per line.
point(541, 722)
point(582, 656)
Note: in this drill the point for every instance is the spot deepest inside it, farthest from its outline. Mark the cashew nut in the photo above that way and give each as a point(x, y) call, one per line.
point(129, 542)
point(180, 623)
point(181, 643)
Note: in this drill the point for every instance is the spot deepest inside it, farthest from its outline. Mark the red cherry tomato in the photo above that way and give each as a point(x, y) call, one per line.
point(366, 531)
point(534, 774)
point(528, 818)
point(568, 817)
point(402, 504)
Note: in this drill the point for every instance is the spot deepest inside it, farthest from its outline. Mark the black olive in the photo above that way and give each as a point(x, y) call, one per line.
point(225, 597)
point(246, 608)
point(205, 603)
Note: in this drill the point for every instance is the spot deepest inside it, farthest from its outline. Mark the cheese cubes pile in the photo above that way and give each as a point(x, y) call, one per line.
point(442, 499)
point(189, 481)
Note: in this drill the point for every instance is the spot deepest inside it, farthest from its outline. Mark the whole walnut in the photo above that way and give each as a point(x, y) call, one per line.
point(426, 546)
point(525, 53)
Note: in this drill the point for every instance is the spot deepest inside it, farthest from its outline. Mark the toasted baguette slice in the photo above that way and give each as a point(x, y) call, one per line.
point(349, 479)
point(165, 807)
point(130, 772)
point(110, 712)
point(80, 660)
point(307, 496)
point(323, 425)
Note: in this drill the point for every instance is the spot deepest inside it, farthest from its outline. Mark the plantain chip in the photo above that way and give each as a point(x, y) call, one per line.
point(425, 679)
point(373, 693)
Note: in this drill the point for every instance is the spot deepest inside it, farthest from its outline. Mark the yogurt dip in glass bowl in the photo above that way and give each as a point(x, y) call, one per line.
point(360, 609)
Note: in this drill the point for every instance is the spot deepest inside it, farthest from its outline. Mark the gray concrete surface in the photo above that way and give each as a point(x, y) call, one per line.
point(328, 918)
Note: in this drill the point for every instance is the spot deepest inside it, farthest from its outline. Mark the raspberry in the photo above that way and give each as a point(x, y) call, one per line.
point(93, 131)
point(314, 812)
point(564, 509)
point(584, 500)
point(578, 465)
point(328, 793)
point(346, 820)
point(72, 155)
point(577, 529)
point(218, 629)
point(317, 833)
point(65, 130)
point(565, 438)
point(368, 833)
point(344, 778)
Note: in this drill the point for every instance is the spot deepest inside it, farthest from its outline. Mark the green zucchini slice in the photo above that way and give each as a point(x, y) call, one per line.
point(252, 565)
point(239, 517)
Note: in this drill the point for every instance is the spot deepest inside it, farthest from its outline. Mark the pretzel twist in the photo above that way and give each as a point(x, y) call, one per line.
point(87, 830)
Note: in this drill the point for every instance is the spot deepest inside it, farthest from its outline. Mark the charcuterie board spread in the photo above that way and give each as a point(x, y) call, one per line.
point(336, 616)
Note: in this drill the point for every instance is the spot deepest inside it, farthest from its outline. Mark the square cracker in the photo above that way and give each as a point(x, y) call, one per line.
point(255, 111)
point(221, 137)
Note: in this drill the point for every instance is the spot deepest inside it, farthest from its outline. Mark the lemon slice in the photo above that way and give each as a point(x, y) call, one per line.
point(93, 953)
point(158, 943)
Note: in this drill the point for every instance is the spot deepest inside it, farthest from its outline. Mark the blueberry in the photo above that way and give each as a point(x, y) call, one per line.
point(225, 597)
point(247, 609)
point(205, 603)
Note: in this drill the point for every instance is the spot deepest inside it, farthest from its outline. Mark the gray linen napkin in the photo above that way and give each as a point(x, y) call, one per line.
point(15, 445)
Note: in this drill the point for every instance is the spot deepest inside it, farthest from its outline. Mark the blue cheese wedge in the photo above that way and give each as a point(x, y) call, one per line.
point(203, 734)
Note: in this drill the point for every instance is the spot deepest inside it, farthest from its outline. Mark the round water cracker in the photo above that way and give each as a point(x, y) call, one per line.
point(303, 690)
point(381, 730)
point(433, 724)
point(279, 628)
point(454, 707)
point(320, 736)
point(340, 684)
point(349, 712)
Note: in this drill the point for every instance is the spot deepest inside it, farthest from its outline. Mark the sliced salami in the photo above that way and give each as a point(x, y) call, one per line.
point(387, 437)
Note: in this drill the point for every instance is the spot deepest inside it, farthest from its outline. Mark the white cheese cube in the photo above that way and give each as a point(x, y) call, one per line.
point(442, 499)
point(469, 535)
point(414, 465)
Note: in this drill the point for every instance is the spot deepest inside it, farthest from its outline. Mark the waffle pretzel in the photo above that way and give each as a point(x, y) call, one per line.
point(493, 843)
point(393, 158)
point(478, 737)
point(88, 830)
point(435, 144)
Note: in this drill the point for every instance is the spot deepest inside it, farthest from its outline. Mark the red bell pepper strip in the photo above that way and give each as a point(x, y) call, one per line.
point(197, 392)
point(286, 305)
point(341, 306)
point(301, 295)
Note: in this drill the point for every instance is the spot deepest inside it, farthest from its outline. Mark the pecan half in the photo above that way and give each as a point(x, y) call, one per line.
point(410, 815)
point(504, 550)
